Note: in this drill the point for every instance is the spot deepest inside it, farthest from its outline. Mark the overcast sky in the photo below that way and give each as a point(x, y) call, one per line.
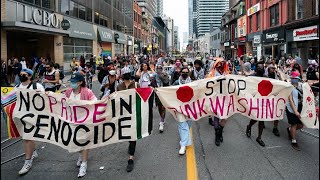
point(178, 11)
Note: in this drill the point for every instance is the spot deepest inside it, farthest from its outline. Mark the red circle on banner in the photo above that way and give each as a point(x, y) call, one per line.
point(184, 93)
point(265, 87)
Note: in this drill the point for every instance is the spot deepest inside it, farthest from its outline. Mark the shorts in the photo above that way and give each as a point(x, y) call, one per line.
point(292, 118)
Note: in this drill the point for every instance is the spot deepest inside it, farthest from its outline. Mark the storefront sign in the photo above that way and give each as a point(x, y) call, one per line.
point(226, 44)
point(40, 17)
point(242, 26)
point(307, 33)
point(120, 38)
point(253, 9)
point(80, 29)
point(257, 39)
point(105, 34)
point(274, 35)
point(65, 24)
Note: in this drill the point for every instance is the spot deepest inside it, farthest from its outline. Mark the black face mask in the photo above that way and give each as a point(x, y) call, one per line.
point(184, 76)
point(272, 75)
point(259, 72)
point(127, 76)
point(23, 78)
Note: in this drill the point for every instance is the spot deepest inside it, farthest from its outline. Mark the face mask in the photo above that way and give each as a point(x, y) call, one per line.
point(260, 72)
point(294, 81)
point(23, 78)
point(74, 85)
point(112, 72)
point(272, 75)
point(184, 76)
point(127, 76)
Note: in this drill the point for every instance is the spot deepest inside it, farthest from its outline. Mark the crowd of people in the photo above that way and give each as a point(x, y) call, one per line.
point(121, 73)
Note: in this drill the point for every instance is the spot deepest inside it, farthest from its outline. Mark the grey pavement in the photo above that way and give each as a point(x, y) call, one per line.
point(238, 157)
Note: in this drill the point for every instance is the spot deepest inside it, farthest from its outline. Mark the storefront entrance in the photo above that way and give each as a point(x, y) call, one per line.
point(29, 45)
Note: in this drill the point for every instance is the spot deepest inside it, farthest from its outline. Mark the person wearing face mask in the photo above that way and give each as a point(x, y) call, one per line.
point(79, 91)
point(184, 126)
point(161, 79)
point(143, 74)
point(25, 77)
point(51, 78)
point(219, 68)
point(175, 72)
point(110, 82)
point(259, 73)
point(293, 110)
point(198, 71)
point(128, 84)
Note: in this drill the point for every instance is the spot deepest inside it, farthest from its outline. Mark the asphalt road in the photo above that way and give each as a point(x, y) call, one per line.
point(157, 157)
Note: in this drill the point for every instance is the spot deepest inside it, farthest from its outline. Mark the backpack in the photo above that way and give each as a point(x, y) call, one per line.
point(61, 75)
point(34, 85)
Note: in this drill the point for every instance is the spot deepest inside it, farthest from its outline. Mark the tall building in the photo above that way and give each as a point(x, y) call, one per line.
point(169, 39)
point(192, 17)
point(148, 7)
point(209, 12)
point(160, 8)
point(176, 40)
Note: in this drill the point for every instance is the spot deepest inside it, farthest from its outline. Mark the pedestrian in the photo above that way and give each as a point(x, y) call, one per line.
point(23, 63)
point(144, 76)
point(175, 71)
point(82, 61)
point(74, 64)
point(293, 109)
point(17, 67)
point(79, 91)
point(51, 78)
point(110, 82)
point(4, 73)
point(260, 72)
point(93, 64)
point(198, 72)
point(61, 75)
point(161, 79)
point(128, 84)
point(185, 125)
point(219, 68)
point(99, 63)
point(29, 145)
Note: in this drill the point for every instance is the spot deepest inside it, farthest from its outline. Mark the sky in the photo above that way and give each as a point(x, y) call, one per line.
point(178, 11)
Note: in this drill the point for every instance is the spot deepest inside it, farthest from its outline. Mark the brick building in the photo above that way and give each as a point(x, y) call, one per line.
point(137, 27)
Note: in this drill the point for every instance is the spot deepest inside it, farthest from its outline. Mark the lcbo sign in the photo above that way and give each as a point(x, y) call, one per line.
point(40, 17)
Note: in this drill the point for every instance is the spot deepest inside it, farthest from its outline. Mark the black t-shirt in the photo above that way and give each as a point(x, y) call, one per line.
point(17, 68)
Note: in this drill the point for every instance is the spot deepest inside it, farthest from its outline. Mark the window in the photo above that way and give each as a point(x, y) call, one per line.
point(64, 6)
point(299, 9)
point(251, 3)
point(258, 20)
point(274, 15)
point(77, 10)
point(82, 12)
point(250, 27)
point(46, 4)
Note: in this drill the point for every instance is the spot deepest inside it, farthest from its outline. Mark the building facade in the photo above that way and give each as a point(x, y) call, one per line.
point(137, 28)
point(160, 8)
point(176, 40)
point(170, 37)
point(209, 13)
point(215, 42)
point(62, 29)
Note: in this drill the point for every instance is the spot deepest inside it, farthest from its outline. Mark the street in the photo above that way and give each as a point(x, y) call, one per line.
point(156, 157)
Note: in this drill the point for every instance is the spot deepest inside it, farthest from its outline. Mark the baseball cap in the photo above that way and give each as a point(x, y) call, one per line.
point(28, 71)
point(125, 70)
point(76, 77)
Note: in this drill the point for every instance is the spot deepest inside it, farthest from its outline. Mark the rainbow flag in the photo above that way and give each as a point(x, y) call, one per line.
point(8, 102)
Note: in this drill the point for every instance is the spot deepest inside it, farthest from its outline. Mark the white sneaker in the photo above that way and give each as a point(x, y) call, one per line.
point(182, 150)
point(79, 161)
point(26, 167)
point(82, 170)
point(161, 127)
point(34, 154)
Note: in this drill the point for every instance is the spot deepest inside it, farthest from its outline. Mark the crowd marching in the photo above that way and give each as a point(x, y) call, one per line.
point(121, 73)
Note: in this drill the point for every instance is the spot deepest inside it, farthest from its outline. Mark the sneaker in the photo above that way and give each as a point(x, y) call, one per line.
point(248, 131)
point(161, 127)
point(276, 132)
point(259, 140)
point(79, 161)
point(289, 134)
point(182, 150)
point(82, 170)
point(130, 165)
point(26, 168)
point(295, 146)
point(34, 154)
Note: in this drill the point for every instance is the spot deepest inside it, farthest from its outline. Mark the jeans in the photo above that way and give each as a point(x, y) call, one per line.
point(17, 80)
point(132, 147)
point(184, 132)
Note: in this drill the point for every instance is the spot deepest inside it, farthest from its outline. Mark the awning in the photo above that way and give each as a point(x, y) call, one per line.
point(120, 38)
point(105, 35)
point(80, 29)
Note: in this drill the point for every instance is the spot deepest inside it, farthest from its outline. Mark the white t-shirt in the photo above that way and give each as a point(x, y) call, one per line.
point(24, 65)
point(75, 96)
point(39, 87)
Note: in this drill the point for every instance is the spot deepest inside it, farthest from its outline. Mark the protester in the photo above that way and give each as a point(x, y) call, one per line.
point(184, 126)
point(23, 63)
point(29, 145)
point(110, 82)
point(17, 67)
point(82, 61)
point(198, 72)
point(128, 84)
point(161, 79)
point(293, 111)
point(4, 74)
point(144, 75)
point(259, 73)
point(74, 64)
point(79, 91)
point(219, 68)
point(61, 75)
point(99, 63)
point(51, 78)
point(175, 71)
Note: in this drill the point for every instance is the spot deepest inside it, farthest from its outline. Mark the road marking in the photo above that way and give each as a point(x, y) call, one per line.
point(192, 172)
point(270, 147)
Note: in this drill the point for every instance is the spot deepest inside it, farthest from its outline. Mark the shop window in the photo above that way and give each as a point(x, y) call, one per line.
point(258, 21)
point(299, 9)
point(274, 15)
